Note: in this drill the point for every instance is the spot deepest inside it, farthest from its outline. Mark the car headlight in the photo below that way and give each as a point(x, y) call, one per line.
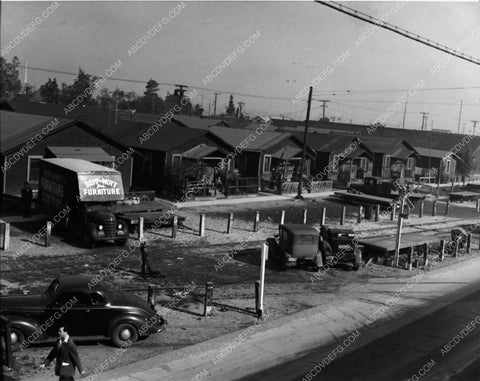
point(100, 227)
point(120, 226)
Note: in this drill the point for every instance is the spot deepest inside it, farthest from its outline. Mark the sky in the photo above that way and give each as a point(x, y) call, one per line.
point(291, 44)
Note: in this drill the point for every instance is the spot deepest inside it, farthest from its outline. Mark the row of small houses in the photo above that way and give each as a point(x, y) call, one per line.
point(163, 157)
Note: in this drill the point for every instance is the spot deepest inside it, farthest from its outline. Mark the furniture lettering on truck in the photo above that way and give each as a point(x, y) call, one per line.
point(90, 191)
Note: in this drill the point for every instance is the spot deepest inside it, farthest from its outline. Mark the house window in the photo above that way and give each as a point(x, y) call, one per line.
point(33, 169)
point(386, 161)
point(447, 166)
point(267, 162)
point(410, 162)
point(176, 162)
point(363, 163)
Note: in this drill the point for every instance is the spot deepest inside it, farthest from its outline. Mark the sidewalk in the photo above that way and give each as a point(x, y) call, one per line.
point(273, 342)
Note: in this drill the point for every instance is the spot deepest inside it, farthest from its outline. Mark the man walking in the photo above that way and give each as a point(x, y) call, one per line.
point(65, 353)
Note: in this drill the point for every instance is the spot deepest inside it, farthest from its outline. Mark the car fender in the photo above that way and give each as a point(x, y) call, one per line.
point(27, 326)
point(136, 320)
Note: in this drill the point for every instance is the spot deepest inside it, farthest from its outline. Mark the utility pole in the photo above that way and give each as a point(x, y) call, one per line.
point(324, 101)
point(405, 113)
point(302, 163)
point(399, 226)
point(460, 116)
point(215, 105)
point(424, 120)
point(240, 106)
point(474, 126)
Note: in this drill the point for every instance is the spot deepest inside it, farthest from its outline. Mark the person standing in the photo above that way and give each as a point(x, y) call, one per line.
point(66, 355)
point(27, 196)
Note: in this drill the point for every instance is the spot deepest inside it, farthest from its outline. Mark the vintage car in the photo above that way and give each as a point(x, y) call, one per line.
point(297, 245)
point(339, 247)
point(85, 306)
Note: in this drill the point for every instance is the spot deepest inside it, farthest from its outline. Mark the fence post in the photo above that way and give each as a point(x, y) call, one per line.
point(342, 216)
point(447, 207)
point(377, 212)
point(5, 235)
point(478, 205)
point(140, 229)
point(442, 249)
point(420, 213)
point(151, 296)
point(469, 242)
point(48, 233)
point(392, 215)
point(174, 226)
point(257, 221)
point(304, 216)
point(425, 255)
point(257, 299)
point(359, 216)
point(434, 208)
point(229, 222)
point(207, 304)
point(323, 215)
point(409, 258)
point(201, 228)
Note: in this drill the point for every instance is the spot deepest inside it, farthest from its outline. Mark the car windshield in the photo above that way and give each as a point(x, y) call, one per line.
point(52, 289)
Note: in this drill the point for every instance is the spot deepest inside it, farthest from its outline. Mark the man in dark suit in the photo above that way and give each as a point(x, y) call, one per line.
point(66, 356)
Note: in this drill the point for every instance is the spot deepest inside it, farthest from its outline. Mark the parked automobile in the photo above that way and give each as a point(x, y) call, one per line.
point(297, 245)
point(339, 247)
point(86, 307)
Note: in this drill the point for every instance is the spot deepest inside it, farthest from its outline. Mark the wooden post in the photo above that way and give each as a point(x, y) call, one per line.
point(5, 235)
point(304, 216)
point(323, 216)
point(359, 216)
point(257, 221)
point(264, 255)
point(207, 303)
point(434, 208)
point(257, 299)
point(48, 233)
point(478, 205)
point(447, 207)
point(201, 228)
point(420, 213)
point(151, 296)
point(229, 223)
point(377, 212)
point(282, 220)
point(392, 215)
point(342, 216)
point(140, 229)
point(174, 226)
point(469, 243)
point(409, 259)
point(442, 250)
point(425, 255)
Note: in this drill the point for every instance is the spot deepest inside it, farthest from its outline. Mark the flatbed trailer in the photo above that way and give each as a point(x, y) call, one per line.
point(363, 199)
point(463, 196)
point(386, 244)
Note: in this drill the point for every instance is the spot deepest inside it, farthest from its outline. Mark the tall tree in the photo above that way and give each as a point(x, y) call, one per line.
point(231, 107)
point(465, 164)
point(83, 87)
point(151, 96)
point(50, 92)
point(10, 84)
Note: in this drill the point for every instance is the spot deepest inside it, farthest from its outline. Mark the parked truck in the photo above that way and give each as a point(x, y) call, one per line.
point(90, 192)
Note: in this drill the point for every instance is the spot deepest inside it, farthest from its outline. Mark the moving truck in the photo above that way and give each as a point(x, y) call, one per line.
point(89, 192)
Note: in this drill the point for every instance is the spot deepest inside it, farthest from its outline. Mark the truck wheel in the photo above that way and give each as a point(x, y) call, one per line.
point(123, 333)
point(121, 242)
point(87, 240)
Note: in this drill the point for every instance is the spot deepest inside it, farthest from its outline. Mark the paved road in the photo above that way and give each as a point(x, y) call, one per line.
point(439, 346)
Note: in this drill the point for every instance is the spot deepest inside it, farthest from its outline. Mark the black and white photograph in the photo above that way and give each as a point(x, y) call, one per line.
point(240, 190)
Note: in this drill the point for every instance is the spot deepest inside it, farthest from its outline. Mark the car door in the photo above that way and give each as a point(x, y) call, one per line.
point(99, 312)
point(71, 309)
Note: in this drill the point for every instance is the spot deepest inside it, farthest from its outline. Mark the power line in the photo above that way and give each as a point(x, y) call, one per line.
point(403, 32)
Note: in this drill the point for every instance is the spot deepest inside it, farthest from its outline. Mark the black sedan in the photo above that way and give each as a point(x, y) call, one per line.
point(85, 306)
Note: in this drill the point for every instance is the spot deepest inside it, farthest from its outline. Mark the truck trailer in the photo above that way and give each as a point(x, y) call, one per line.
point(90, 192)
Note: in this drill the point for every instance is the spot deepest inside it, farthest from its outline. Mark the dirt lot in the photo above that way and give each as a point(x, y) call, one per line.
point(190, 258)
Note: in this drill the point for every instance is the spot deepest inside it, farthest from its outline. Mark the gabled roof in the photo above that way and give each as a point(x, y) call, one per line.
point(93, 154)
point(16, 129)
point(199, 123)
point(435, 153)
point(254, 142)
